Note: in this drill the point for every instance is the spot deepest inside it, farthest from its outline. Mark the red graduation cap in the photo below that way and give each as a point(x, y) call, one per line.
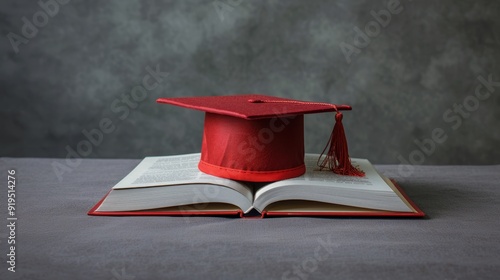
point(260, 138)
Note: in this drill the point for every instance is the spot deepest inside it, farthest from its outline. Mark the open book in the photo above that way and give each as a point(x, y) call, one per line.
point(173, 185)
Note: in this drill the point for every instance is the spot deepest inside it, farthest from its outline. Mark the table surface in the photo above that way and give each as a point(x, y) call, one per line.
point(55, 239)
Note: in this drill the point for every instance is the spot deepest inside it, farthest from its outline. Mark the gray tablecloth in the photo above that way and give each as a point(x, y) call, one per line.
point(55, 239)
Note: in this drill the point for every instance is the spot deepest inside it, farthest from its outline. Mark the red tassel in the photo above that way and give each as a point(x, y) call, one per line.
point(337, 158)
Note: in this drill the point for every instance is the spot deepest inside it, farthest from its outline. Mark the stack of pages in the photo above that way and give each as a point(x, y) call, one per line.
point(173, 185)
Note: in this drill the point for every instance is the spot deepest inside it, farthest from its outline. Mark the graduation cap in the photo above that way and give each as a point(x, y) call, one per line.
point(260, 138)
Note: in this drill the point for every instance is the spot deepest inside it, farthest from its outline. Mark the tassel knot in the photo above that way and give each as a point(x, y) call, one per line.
point(338, 117)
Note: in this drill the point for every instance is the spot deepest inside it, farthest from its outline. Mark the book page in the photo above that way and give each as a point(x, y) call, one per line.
point(313, 206)
point(370, 191)
point(175, 170)
point(314, 176)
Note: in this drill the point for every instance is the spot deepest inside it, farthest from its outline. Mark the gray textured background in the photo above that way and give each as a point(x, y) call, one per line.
point(66, 78)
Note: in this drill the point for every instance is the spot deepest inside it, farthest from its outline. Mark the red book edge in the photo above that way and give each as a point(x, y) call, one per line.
point(419, 213)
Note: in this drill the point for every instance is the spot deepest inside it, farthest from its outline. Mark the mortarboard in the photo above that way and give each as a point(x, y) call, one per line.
point(260, 138)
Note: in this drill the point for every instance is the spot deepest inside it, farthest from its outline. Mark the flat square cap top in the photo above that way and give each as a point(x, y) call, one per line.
point(251, 106)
